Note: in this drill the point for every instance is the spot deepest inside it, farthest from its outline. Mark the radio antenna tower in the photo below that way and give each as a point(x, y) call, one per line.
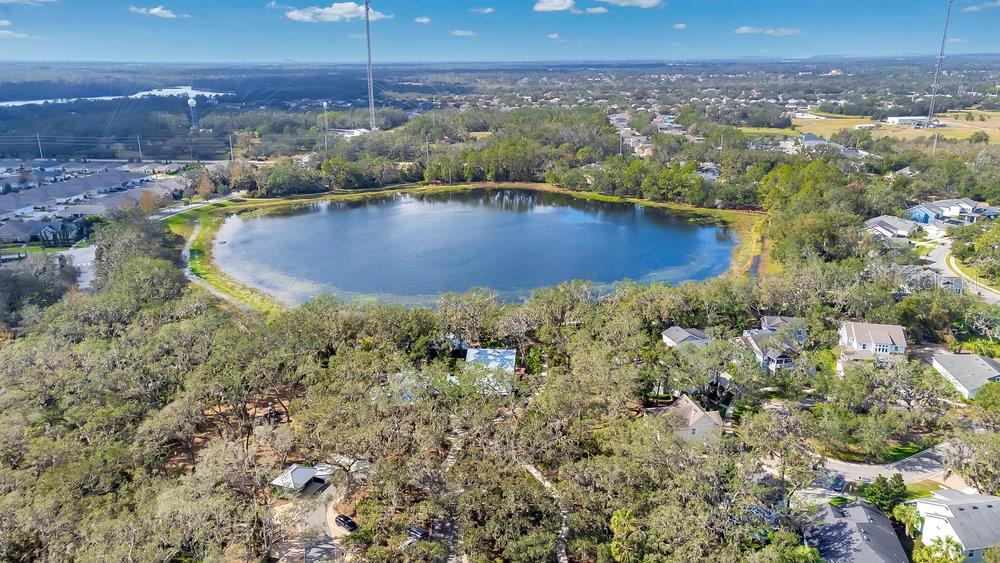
point(371, 79)
point(937, 75)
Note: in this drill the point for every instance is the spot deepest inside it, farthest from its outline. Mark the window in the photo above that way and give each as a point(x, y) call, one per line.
point(694, 431)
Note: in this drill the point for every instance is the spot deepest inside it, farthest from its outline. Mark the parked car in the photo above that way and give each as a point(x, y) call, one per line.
point(838, 483)
point(345, 522)
point(418, 533)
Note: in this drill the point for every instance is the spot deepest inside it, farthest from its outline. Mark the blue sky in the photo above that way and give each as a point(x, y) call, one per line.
point(485, 30)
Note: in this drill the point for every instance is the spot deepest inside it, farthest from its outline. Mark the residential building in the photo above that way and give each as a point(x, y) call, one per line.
point(971, 520)
point(796, 326)
point(909, 121)
point(675, 336)
point(492, 358)
point(870, 342)
point(964, 211)
point(298, 478)
point(967, 372)
point(892, 227)
point(855, 533)
point(697, 424)
point(772, 351)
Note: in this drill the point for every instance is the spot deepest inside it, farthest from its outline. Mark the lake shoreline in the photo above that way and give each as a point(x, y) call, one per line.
point(748, 225)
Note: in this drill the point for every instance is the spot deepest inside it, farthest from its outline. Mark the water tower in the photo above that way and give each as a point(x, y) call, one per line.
point(193, 112)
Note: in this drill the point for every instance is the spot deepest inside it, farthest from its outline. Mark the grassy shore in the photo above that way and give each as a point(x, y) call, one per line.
point(749, 226)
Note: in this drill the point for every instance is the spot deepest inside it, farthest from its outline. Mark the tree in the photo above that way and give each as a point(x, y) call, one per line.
point(907, 515)
point(979, 137)
point(149, 202)
point(627, 544)
point(943, 549)
point(884, 493)
point(205, 187)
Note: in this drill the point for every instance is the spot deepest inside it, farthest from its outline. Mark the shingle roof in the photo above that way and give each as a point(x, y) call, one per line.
point(295, 477)
point(775, 322)
point(692, 413)
point(968, 369)
point(857, 533)
point(876, 334)
point(975, 518)
point(681, 335)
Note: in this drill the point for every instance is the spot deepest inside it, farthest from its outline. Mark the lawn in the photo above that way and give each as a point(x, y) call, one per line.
point(769, 131)
point(921, 489)
point(852, 454)
point(840, 501)
point(827, 127)
point(30, 248)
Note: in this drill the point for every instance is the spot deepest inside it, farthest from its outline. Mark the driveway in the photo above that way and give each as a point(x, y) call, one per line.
point(920, 467)
point(83, 258)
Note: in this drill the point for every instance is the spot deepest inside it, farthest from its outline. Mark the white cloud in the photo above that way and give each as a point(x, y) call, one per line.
point(776, 32)
point(482, 11)
point(597, 10)
point(462, 33)
point(981, 7)
point(8, 34)
point(336, 12)
point(554, 36)
point(634, 3)
point(424, 20)
point(157, 12)
point(955, 40)
point(25, 2)
point(680, 26)
point(554, 5)
point(4, 23)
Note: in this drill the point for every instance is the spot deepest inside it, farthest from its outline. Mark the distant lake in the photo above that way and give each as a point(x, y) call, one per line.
point(413, 248)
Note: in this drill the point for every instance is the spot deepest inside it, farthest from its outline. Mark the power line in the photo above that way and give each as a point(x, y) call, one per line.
point(371, 77)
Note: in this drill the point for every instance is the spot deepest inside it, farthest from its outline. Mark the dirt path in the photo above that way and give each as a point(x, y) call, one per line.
point(190, 275)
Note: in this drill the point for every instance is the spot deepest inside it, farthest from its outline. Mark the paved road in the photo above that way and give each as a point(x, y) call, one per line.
point(83, 258)
point(943, 263)
point(920, 467)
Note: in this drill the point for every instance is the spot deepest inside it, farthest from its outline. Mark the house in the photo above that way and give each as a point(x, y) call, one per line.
point(964, 210)
point(967, 372)
point(870, 342)
point(892, 227)
point(770, 349)
point(59, 234)
point(971, 520)
point(675, 336)
point(697, 424)
point(797, 326)
point(297, 478)
point(855, 533)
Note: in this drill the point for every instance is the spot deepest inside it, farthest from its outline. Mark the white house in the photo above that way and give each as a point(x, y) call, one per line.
point(892, 227)
point(675, 336)
point(967, 372)
point(971, 520)
point(870, 342)
point(909, 121)
point(772, 351)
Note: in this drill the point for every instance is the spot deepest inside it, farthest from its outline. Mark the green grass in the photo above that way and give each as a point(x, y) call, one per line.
point(922, 489)
point(852, 454)
point(840, 501)
point(30, 248)
point(769, 131)
point(902, 451)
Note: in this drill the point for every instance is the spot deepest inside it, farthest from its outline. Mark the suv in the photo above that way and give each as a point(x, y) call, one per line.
point(345, 522)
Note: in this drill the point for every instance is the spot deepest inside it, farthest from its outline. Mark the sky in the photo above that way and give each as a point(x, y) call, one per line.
point(486, 30)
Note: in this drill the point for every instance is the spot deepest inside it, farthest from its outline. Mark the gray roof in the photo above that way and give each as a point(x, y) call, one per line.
point(51, 193)
point(681, 335)
point(857, 533)
point(876, 334)
point(768, 322)
point(892, 223)
point(975, 518)
point(295, 477)
point(968, 369)
point(765, 344)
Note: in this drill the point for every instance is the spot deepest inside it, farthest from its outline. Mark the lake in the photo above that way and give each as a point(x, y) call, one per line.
point(412, 248)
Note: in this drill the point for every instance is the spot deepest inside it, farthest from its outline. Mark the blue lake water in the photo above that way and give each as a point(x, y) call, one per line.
point(412, 248)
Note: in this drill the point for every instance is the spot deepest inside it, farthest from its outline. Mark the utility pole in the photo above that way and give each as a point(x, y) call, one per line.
point(138, 141)
point(41, 155)
point(326, 128)
point(937, 75)
point(232, 156)
point(371, 77)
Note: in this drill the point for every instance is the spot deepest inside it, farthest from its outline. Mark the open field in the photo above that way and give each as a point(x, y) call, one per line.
point(826, 127)
point(749, 225)
point(772, 131)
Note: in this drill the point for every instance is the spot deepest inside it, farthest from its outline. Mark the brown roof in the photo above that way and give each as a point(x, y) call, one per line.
point(692, 413)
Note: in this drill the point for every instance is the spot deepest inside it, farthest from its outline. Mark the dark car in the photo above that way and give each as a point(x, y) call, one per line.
point(838, 483)
point(418, 533)
point(345, 522)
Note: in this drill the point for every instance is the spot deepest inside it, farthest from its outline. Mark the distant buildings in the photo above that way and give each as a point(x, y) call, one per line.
point(967, 372)
point(909, 121)
point(971, 520)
